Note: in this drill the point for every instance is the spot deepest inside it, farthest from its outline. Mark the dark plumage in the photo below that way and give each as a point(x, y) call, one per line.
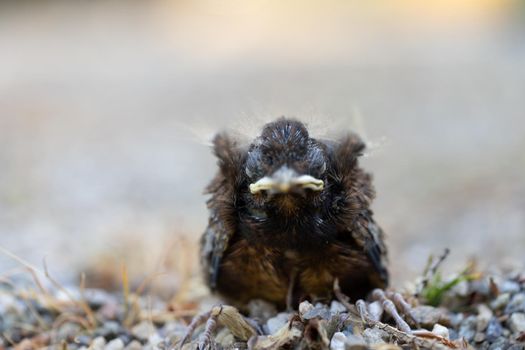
point(288, 215)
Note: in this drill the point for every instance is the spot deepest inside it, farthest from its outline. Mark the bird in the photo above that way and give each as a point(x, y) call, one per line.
point(289, 214)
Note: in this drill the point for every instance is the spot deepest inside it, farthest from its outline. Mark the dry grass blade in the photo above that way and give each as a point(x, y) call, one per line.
point(32, 269)
point(27, 303)
point(133, 312)
point(79, 303)
point(125, 286)
point(69, 318)
point(8, 338)
point(147, 281)
point(35, 313)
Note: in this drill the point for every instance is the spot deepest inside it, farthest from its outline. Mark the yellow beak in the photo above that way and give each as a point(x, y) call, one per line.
point(285, 179)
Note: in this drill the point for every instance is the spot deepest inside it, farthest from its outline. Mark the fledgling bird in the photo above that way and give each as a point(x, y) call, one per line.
point(290, 214)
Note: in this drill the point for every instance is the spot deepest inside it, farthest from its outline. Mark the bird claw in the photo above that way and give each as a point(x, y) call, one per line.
point(389, 302)
point(227, 316)
point(206, 343)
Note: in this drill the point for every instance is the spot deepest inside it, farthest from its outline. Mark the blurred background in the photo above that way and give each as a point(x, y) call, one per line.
point(107, 109)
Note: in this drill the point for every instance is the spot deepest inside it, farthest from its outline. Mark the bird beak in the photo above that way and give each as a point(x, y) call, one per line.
point(283, 180)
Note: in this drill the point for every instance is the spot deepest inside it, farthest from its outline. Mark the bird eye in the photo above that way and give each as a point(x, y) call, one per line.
point(257, 214)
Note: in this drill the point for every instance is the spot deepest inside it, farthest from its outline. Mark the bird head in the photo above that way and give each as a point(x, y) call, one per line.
point(285, 166)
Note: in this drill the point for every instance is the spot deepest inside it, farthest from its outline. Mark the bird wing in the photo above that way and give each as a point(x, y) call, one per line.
point(214, 243)
point(370, 238)
point(353, 194)
point(222, 223)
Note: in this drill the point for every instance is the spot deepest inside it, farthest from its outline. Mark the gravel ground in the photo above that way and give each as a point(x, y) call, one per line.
point(487, 312)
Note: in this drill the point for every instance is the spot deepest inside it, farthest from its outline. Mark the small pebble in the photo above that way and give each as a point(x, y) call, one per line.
point(225, 338)
point(453, 334)
point(494, 330)
point(375, 336)
point(68, 331)
point(352, 342)
point(109, 330)
point(126, 338)
point(461, 289)
point(134, 345)
point(499, 344)
point(304, 307)
point(98, 343)
point(338, 341)
point(115, 344)
point(456, 319)
point(500, 302)
point(82, 340)
point(143, 330)
point(517, 322)
point(8, 303)
point(484, 316)
point(428, 316)
point(348, 330)
point(441, 331)
point(317, 312)
point(154, 339)
point(96, 298)
point(337, 307)
point(467, 329)
point(516, 347)
point(481, 286)
point(355, 342)
point(277, 322)
point(109, 310)
point(479, 337)
point(375, 310)
point(509, 287)
point(516, 304)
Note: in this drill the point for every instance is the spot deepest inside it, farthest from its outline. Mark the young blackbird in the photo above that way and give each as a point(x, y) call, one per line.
point(289, 214)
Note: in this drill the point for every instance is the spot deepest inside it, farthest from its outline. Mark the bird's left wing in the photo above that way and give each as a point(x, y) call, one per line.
point(353, 195)
point(370, 238)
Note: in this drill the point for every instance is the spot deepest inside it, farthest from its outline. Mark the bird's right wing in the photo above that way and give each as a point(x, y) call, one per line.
point(222, 223)
point(214, 242)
